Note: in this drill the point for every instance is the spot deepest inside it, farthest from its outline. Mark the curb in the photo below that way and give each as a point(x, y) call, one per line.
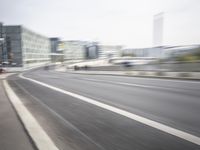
point(39, 137)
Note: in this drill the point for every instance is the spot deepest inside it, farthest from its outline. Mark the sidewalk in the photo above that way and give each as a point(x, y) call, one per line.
point(4, 75)
point(12, 133)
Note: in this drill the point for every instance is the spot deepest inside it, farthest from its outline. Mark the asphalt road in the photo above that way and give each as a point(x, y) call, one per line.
point(75, 124)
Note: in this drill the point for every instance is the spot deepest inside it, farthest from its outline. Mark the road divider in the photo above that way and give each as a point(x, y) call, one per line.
point(167, 129)
point(155, 74)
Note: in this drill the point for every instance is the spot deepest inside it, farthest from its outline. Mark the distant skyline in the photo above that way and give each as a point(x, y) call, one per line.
point(121, 22)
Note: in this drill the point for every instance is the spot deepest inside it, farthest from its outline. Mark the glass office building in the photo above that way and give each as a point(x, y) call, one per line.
point(79, 50)
point(25, 47)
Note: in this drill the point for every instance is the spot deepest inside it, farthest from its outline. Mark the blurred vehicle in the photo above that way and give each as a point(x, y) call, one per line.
point(2, 70)
point(14, 64)
point(76, 67)
point(46, 67)
point(5, 63)
point(127, 64)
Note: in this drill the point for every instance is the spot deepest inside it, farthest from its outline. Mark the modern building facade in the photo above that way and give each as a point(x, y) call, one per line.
point(35, 48)
point(56, 53)
point(25, 47)
point(155, 52)
point(92, 50)
point(54, 44)
point(3, 53)
point(74, 50)
point(109, 51)
point(79, 50)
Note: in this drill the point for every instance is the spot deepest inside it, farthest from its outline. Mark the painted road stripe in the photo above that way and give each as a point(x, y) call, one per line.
point(128, 84)
point(171, 80)
point(181, 134)
point(38, 135)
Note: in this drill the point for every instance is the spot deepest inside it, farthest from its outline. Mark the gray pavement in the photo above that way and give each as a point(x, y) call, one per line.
point(12, 133)
point(74, 124)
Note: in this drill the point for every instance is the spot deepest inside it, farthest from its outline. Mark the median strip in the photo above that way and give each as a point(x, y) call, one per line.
point(167, 129)
point(35, 131)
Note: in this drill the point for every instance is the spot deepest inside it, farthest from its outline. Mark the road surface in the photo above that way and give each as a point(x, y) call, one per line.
point(79, 125)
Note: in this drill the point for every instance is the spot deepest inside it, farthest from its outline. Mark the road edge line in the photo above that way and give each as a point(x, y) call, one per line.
point(38, 135)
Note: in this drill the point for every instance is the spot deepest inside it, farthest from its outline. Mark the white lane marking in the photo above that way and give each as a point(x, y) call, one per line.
point(172, 80)
point(164, 79)
point(129, 84)
point(178, 133)
point(38, 135)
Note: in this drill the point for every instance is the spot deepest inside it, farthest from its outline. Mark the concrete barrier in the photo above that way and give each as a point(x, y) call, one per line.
point(159, 74)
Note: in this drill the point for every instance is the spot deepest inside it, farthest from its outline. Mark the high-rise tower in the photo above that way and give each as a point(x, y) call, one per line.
point(158, 29)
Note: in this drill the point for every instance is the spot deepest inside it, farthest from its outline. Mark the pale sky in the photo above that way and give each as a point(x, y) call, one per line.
point(123, 22)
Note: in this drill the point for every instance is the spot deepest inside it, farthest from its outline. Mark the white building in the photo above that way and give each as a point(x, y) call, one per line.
point(74, 49)
point(109, 51)
point(35, 47)
point(79, 50)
